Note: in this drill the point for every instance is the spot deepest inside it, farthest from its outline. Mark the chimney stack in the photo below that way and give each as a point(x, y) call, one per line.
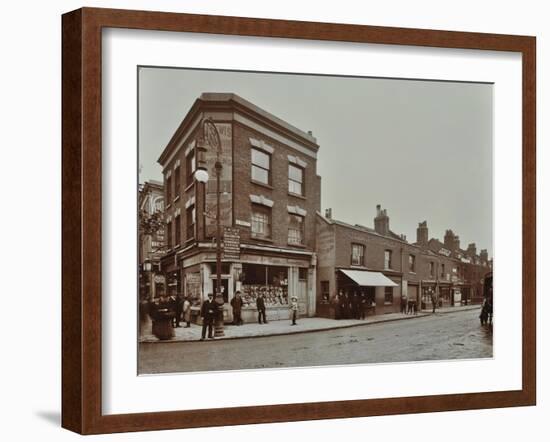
point(422, 233)
point(472, 249)
point(328, 213)
point(382, 221)
point(451, 241)
point(484, 256)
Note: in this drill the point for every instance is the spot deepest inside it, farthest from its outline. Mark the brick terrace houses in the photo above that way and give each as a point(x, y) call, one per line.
point(383, 266)
point(151, 243)
point(270, 197)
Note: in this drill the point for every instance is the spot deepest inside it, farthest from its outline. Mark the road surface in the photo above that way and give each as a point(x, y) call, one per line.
point(440, 336)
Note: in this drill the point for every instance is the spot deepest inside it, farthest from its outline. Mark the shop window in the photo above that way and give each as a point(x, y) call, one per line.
point(270, 281)
point(357, 254)
point(388, 295)
point(302, 273)
point(295, 179)
point(190, 166)
point(261, 166)
point(387, 259)
point(260, 221)
point(190, 216)
point(295, 229)
point(412, 263)
point(177, 228)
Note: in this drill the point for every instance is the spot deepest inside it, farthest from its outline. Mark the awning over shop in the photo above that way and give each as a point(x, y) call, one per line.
point(369, 279)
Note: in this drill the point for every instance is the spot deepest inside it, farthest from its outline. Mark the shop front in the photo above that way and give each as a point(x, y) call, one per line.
point(445, 295)
point(429, 291)
point(372, 291)
point(274, 278)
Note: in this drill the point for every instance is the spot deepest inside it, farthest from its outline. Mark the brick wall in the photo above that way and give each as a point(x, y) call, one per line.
point(277, 191)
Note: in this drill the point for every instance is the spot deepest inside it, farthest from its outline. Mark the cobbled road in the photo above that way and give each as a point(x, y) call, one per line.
point(439, 336)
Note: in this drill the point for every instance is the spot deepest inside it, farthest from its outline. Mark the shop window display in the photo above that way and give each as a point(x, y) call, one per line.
point(270, 281)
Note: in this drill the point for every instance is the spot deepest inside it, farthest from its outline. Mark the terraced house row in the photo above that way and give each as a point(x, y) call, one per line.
point(275, 240)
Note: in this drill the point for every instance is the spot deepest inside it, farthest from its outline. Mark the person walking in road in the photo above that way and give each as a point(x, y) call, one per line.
point(294, 309)
point(260, 305)
point(237, 304)
point(187, 312)
point(208, 313)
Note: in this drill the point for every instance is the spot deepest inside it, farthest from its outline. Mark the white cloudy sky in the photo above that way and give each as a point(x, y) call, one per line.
point(421, 149)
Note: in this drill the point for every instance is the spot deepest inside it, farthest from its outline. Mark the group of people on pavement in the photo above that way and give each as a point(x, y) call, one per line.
point(409, 306)
point(351, 307)
point(178, 309)
point(208, 312)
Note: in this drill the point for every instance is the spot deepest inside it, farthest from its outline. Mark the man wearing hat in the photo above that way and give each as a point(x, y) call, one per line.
point(294, 309)
point(208, 313)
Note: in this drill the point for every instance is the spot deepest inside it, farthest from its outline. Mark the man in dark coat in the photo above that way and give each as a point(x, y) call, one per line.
point(345, 306)
point(363, 305)
point(237, 304)
point(208, 313)
point(178, 307)
point(356, 306)
point(260, 305)
point(404, 304)
point(433, 298)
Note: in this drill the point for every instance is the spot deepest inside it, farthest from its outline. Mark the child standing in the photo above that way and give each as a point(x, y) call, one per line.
point(294, 308)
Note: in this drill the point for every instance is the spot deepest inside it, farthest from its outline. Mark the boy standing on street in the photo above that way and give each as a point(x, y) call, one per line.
point(294, 309)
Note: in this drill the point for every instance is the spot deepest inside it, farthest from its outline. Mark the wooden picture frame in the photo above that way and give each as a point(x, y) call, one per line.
point(81, 250)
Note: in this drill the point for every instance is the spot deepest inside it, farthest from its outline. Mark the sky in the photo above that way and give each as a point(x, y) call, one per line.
point(421, 149)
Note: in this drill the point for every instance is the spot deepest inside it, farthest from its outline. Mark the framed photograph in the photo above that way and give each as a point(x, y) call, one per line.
point(269, 221)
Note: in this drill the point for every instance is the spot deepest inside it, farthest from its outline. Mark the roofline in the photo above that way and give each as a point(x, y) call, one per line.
point(362, 230)
point(153, 183)
point(226, 101)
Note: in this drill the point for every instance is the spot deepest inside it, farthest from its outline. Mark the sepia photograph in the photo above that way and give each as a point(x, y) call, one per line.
point(297, 220)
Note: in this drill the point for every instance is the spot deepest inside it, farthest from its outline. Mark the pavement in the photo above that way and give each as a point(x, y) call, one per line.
point(284, 327)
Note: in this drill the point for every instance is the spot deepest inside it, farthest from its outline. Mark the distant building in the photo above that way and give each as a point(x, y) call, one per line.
point(376, 263)
point(151, 239)
point(382, 265)
point(460, 271)
point(270, 195)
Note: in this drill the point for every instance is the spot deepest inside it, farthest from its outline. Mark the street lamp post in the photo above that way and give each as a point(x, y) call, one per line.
point(210, 138)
